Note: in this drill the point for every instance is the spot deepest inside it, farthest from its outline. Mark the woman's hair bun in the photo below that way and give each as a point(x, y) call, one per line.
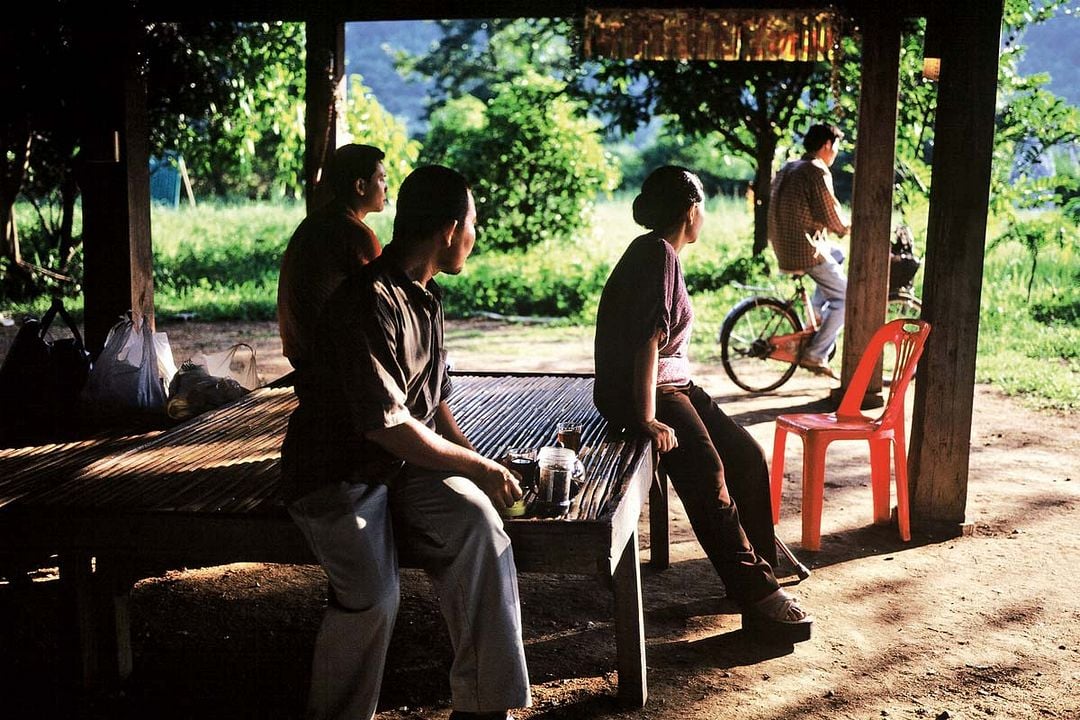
point(644, 214)
point(667, 193)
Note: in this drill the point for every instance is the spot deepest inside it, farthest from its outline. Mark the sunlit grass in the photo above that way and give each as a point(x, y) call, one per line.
point(1018, 352)
point(219, 262)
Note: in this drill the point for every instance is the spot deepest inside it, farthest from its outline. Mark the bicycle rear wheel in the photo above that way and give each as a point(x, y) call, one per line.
point(745, 343)
point(902, 305)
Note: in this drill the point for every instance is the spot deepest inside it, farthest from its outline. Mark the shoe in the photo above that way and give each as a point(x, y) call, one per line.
point(818, 367)
point(496, 715)
point(778, 617)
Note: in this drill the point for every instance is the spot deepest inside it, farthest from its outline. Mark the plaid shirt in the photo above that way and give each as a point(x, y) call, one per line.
point(801, 209)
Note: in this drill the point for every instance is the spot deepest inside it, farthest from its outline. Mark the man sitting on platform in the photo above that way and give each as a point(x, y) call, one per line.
point(373, 437)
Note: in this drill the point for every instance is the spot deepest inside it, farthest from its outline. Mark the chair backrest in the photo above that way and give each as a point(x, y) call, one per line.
point(907, 337)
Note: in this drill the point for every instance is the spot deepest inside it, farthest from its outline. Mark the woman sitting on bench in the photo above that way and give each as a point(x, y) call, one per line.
point(643, 385)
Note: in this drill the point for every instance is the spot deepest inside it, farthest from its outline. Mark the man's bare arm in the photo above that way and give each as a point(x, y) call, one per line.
point(423, 447)
point(446, 425)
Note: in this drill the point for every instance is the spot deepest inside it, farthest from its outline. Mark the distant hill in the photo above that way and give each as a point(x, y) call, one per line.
point(1054, 47)
point(369, 48)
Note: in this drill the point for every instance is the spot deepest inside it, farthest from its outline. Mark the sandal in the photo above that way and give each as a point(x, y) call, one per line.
point(778, 616)
point(818, 367)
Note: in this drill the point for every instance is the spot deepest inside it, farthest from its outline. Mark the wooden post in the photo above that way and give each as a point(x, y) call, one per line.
point(952, 280)
point(114, 178)
point(630, 626)
point(871, 205)
point(80, 618)
point(325, 70)
point(659, 539)
point(112, 588)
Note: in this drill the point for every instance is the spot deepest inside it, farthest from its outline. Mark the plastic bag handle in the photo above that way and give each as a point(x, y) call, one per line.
point(57, 307)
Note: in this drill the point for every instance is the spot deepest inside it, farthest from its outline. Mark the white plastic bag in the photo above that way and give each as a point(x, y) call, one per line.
point(126, 382)
point(166, 364)
point(236, 363)
point(208, 381)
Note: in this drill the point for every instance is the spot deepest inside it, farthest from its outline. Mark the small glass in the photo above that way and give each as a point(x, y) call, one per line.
point(568, 434)
point(523, 462)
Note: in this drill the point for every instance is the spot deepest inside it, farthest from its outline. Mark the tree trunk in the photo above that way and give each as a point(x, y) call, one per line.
point(15, 149)
point(69, 191)
point(765, 152)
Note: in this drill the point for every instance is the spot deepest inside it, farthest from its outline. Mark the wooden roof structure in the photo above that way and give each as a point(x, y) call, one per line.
point(116, 202)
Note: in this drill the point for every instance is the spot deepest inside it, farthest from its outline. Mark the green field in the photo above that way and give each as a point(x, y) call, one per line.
point(220, 263)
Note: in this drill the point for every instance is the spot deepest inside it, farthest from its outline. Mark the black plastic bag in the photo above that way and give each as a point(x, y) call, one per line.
point(40, 382)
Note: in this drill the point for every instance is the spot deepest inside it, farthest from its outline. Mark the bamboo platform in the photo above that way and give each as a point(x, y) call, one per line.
point(206, 493)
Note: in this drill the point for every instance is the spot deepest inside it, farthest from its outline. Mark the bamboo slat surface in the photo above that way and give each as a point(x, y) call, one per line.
point(26, 471)
point(228, 461)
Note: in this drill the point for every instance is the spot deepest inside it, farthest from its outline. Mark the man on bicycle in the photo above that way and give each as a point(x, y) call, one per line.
point(802, 209)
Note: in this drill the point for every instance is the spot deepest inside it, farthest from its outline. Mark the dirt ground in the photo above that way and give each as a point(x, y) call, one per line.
point(985, 625)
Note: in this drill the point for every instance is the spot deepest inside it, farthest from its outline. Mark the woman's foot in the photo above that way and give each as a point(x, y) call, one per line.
point(778, 616)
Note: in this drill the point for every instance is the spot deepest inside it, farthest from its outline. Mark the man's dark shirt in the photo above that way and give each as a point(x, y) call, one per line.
point(330, 245)
point(378, 359)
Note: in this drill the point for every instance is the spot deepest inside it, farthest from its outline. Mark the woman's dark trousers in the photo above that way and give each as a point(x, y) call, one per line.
point(720, 474)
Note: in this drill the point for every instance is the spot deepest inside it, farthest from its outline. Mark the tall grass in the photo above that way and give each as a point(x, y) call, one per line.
point(220, 262)
point(564, 279)
point(1032, 348)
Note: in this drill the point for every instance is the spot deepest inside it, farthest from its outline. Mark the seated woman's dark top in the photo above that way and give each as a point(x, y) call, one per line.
point(644, 294)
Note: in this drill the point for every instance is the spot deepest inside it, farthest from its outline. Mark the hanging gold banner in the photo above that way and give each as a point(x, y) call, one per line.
point(701, 34)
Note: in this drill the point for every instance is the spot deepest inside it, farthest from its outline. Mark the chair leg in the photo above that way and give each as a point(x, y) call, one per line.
point(879, 478)
point(776, 475)
point(813, 491)
point(902, 511)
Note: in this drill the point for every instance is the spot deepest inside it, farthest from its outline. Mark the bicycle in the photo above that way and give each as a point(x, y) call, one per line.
point(763, 336)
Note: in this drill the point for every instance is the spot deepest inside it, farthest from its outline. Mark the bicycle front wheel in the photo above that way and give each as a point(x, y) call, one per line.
point(746, 343)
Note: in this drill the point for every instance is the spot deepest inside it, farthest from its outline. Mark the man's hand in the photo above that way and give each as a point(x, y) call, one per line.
point(497, 482)
point(661, 434)
point(427, 449)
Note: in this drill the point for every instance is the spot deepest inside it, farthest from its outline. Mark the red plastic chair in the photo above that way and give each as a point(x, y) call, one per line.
point(817, 430)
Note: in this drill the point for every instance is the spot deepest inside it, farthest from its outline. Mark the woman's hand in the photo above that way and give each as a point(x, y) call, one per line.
point(661, 434)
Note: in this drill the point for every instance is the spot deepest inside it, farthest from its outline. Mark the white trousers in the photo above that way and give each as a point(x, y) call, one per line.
point(828, 300)
point(450, 527)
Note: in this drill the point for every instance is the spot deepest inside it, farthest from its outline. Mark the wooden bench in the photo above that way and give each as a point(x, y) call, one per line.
point(205, 493)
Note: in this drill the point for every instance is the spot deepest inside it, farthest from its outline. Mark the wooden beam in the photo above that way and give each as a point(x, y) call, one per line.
point(114, 178)
point(871, 205)
point(325, 68)
point(362, 10)
point(952, 281)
